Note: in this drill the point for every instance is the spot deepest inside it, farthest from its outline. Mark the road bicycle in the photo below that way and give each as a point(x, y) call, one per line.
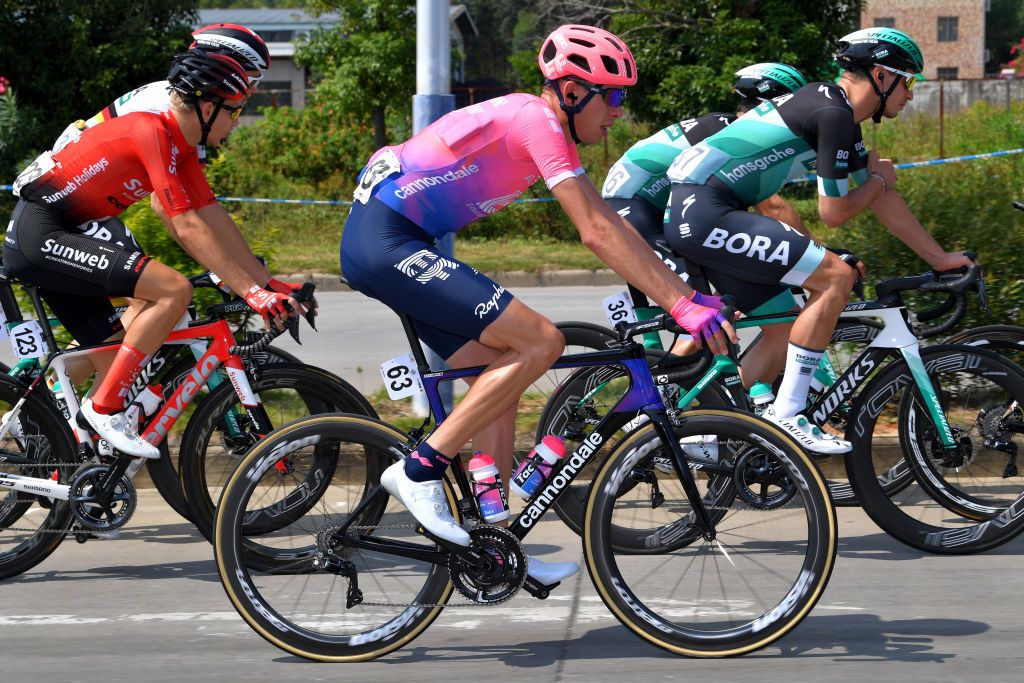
point(352, 578)
point(955, 409)
point(61, 479)
point(168, 368)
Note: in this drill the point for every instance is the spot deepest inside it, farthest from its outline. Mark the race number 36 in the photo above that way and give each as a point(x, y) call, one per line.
point(401, 378)
point(27, 340)
point(619, 309)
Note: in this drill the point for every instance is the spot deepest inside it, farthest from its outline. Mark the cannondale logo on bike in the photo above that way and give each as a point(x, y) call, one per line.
point(579, 458)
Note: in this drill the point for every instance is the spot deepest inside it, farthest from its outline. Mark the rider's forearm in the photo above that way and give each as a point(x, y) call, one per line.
point(619, 246)
point(227, 231)
point(835, 211)
point(897, 217)
point(202, 244)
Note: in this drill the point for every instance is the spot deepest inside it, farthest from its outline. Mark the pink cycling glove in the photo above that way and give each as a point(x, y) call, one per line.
point(705, 300)
point(698, 318)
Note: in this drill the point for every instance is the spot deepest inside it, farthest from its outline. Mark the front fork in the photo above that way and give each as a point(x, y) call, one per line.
point(912, 355)
point(663, 425)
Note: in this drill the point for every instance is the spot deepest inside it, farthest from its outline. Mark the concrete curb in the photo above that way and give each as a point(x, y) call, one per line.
point(512, 279)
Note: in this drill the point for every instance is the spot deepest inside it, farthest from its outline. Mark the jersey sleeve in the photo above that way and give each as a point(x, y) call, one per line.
point(194, 181)
point(536, 134)
point(835, 133)
point(159, 155)
point(859, 159)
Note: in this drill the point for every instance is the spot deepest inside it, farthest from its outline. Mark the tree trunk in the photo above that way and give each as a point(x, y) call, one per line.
point(379, 130)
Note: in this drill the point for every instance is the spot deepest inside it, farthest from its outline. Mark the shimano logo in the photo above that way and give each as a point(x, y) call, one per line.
point(74, 255)
point(759, 164)
point(423, 183)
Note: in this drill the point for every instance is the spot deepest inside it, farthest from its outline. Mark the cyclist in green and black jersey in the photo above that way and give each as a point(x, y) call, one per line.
point(637, 186)
point(757, 258)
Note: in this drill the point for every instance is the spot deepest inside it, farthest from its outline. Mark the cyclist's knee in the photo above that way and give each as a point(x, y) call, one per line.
point(833, 275)
point(177, 291)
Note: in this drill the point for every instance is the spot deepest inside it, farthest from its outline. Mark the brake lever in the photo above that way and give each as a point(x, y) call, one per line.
point(304, 294)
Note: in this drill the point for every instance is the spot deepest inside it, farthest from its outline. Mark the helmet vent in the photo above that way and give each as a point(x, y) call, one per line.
point(581, 62)
point(610, 65)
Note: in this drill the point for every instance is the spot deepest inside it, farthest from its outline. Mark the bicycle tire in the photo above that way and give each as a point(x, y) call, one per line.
point(305, 613)
point(561, 413)
point(940, 515)
point(710, 619)
point(203, 468)
point(46, 434)
point(163, 471)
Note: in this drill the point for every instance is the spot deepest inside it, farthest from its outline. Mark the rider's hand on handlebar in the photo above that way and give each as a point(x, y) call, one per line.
point(704, 324)
point(951, 260)
point(280, 287)
point(274, 307)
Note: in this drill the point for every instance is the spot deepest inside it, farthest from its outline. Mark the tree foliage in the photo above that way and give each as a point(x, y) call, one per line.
point(1004, 29)
point(67, 60)
point(364, 65)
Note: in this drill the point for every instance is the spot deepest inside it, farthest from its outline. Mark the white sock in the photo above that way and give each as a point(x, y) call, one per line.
point(800, 366)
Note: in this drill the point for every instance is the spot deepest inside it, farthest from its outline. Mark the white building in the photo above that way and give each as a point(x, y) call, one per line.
point(285, 83)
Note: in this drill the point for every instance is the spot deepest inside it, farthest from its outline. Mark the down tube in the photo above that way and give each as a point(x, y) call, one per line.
point(641, 395)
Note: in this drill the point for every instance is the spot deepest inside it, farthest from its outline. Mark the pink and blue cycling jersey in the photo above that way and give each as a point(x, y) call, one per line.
point(470, 163)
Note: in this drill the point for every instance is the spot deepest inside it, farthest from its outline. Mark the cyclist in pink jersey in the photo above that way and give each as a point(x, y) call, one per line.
point(468, 164)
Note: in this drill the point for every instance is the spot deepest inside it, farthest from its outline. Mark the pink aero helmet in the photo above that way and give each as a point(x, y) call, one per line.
point(589, 53)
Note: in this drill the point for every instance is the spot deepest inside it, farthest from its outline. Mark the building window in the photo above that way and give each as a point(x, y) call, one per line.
point(276, 36)
point(948, 29)
point(947, 73)
point(270, 94)
point(885, 22)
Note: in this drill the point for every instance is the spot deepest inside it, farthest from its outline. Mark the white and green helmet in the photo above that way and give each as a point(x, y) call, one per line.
point(879, 45)
point(767, 80)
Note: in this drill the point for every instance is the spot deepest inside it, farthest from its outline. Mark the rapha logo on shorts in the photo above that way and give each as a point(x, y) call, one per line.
point(486, 208)
point(425, 265)
point(485, 307)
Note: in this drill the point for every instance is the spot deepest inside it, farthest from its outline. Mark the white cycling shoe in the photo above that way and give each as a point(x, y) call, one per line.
point(426, 501)
point(13, 428)
point(808, 435)
point(548, 573)
point(119, 432)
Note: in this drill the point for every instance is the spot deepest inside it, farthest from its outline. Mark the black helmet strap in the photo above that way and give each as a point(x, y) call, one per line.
point(883, 97)
point(570, 111)
point(206, 124)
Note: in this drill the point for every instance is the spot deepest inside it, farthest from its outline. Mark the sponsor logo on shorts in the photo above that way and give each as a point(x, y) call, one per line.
point(425, 265)
point(485, 307)
point(758, 246)
point(684, 228)
point(75, 257)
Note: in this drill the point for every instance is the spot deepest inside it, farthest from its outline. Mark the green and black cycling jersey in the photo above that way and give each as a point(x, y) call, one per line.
point(641, 170)
point(778, 141)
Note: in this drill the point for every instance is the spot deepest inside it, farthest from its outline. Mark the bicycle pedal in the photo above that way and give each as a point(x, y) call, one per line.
point(538, 589)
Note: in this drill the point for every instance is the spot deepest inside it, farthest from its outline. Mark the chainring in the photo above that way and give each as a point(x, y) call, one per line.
point(761, 481)
point(505, 574)
point(92, 512)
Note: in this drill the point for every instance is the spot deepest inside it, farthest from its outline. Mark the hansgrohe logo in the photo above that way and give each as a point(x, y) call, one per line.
point(759, 164)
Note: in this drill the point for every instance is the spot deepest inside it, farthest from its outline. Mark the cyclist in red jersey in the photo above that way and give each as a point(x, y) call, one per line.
point(248, 49)
point(107, 169)
point(469, 164)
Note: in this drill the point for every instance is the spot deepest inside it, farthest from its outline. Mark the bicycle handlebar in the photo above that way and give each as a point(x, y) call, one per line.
point(220, 311)
point(954, 282)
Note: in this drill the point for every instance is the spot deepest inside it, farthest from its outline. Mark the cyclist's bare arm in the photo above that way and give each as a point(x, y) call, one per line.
point(892, 211)
point(604, 232)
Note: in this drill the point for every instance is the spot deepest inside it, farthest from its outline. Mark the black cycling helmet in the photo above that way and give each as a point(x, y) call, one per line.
point(237, 42)
point(861, 50)
point(767, 80)
point(198, 76)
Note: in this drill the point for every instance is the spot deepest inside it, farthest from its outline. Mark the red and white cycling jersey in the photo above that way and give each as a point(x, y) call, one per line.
point(470, 163)
point(112, 166)
point(154, 98)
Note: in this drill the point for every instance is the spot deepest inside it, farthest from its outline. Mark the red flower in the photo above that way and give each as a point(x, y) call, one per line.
point(3, 85)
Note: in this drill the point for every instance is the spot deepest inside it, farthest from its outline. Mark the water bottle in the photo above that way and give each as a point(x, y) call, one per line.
point(535, 469)
point(487, 488)
point(761, 396)
point(145, 403)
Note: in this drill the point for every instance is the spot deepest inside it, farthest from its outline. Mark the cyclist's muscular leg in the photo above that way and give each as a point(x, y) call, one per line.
point(498, 438)
point(527, 343)
point(166, 294)
point(830, 285)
